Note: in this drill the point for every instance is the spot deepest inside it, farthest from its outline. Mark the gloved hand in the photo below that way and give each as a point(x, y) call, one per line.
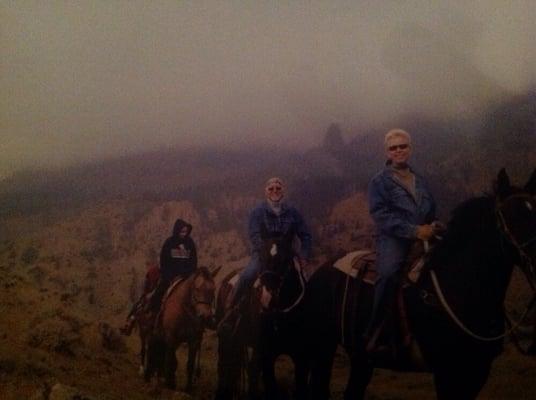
point(424, 232)
point(439, 227)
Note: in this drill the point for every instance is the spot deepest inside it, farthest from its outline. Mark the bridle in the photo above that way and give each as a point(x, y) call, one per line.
point(194, 300)
point(301, 277)
point(526, 267)
point(526, 264)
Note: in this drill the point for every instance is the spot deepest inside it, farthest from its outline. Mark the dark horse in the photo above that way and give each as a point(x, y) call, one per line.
point(186, 311)
point(455, 310)
point(271, 321)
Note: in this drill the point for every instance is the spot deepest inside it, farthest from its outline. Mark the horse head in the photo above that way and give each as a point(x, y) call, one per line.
point(516, 215)
point(202, 294)
point(280, 281)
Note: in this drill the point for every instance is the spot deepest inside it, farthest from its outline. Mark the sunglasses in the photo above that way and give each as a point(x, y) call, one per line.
point(398, 147)
point(275, 189)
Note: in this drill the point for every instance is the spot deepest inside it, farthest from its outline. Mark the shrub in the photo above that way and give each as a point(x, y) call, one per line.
point(30, 255)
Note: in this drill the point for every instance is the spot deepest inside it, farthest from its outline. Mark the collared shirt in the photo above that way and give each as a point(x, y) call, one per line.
point(265, 223)
point(395, 210)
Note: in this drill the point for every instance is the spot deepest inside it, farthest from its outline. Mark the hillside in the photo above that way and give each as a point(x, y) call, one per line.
point(74, 242)
point(69, 281)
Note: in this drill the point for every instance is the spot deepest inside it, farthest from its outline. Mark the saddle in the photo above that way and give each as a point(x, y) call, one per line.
point(361, 265)
point(145, 301)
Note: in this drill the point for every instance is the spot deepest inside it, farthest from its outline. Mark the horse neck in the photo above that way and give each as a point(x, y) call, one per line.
point(475, 266)
point(181, 295)
point(291, 287)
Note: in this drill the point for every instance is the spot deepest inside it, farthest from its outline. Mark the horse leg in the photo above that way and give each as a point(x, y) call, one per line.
point(193, 348)
point(143, 347)
point(153, 349)
point(361, 370)
point(462, 380)
point(229, 365)
point(253, 369)
point(301, 375)
point(321, 367)
point(268, 375)
point(170, 367)
point(531, 351)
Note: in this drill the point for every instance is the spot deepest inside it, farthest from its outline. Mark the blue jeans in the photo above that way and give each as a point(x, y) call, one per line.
point(392, 253)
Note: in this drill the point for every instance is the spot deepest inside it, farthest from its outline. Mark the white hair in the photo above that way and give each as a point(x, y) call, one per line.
point(397, 132)
point(274, 179)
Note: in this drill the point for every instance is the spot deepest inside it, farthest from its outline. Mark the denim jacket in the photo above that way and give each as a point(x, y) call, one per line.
point(396, 213)
point(264, 221)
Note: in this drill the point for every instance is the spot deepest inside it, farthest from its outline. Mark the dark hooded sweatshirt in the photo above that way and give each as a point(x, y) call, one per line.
point(178, 255)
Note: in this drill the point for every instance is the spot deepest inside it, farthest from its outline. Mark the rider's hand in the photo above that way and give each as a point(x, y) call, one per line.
point(424, 232)
point(439, 227)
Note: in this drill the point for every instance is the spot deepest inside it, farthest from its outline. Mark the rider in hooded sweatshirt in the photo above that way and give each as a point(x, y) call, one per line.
point(177, 258)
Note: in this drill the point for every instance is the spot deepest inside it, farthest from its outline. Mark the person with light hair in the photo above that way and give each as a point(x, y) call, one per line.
point(270, 219)
point(403, 210)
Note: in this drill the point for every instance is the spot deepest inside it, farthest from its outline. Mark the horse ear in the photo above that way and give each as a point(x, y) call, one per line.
point(215, 272)
point(503, 187)
point(530, 187)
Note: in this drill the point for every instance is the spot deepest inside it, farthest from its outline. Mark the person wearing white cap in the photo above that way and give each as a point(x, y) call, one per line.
point(272, 218)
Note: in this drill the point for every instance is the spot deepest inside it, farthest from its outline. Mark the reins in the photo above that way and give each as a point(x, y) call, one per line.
point(461, 325)
point(299, 270)
point(526, 263)
point(190, 309)
point(529, 270)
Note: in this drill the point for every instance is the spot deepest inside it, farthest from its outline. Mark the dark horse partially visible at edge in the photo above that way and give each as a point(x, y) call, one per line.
point(471, 268)
point(272, 321)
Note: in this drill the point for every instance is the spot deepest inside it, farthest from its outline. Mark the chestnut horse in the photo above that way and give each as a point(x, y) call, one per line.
point(186, 311)
point(456, 309)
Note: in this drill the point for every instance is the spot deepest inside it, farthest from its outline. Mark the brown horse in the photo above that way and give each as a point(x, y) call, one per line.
point(185, 313)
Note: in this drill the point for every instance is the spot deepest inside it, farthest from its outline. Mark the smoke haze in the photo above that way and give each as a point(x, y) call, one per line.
point(91, 80)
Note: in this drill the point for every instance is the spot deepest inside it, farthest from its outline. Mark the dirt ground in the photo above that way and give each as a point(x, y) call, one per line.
point(106, 374)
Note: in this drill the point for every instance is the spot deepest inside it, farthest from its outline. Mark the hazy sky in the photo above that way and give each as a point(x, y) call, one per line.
point(88, 79)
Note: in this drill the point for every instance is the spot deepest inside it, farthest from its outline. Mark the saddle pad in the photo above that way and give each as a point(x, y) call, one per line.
point(354, 261)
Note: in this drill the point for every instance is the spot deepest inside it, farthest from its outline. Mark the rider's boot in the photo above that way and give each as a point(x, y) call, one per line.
point(380, 330)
